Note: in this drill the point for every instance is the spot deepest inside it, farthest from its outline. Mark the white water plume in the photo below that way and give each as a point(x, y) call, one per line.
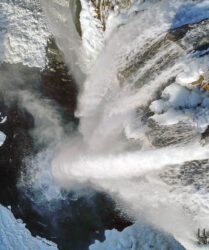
point(113, 151)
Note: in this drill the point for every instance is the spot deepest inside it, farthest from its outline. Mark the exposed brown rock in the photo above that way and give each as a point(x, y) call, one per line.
point(203, 81)
point(199, 81)
point(102, 8)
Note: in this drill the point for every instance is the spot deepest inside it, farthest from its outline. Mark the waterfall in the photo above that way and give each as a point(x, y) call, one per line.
point(139, 114)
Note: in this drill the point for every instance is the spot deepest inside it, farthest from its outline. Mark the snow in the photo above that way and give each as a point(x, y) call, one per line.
point(191, 13)
point(4, 119)
point(182, 101)
point(14, 235)
point(2, 135)
point(23, 34)
point(137, 236)
point(2, 138)
point(179, 103)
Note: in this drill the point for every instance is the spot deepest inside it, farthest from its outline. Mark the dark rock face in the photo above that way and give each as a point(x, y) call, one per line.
point(190, 36)
point(162, 136)
point(193, 174)
point(57, 84)
point(76, 7)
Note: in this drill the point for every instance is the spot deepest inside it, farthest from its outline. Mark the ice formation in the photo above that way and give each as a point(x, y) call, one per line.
point(2, 138)
point(138, 236)
point(179, 103)
point(2, 135)
point(14, 235)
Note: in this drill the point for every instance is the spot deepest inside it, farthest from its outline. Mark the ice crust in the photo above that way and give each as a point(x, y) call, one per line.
point(179, 103)
point(2, 138)
point(2, 135)
point(14, 235)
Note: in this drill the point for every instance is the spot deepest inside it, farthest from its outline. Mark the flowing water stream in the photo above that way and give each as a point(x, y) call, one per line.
point(140, 119)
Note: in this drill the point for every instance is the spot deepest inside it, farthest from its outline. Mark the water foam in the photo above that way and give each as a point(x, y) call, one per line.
point(120, 87)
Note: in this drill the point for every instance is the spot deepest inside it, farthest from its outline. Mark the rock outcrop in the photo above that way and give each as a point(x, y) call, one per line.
point(203, 81)
point(57, 83)
point(104, 6)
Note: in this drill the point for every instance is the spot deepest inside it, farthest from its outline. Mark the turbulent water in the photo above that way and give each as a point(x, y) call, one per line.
point(140, 117)
point(141, 121)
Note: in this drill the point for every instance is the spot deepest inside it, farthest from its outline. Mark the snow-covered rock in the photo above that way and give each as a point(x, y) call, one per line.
point(137, 236)
point(182, 104)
